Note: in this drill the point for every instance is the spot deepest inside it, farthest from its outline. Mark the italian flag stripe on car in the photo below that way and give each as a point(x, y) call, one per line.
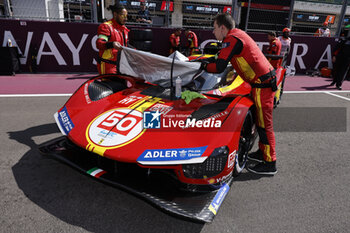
point(96, 172)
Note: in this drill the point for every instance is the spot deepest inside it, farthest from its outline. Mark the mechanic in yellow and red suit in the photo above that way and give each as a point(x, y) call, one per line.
point(174, 40)
point(274, 48)
point(250, 63)
point(111, 36)
point(192, 42)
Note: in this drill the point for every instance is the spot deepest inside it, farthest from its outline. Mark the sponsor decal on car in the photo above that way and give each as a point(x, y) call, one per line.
point(118, 127)
point(86, 94)
point(64, 121)
point(172, 156)
point(162, 108)
point(223, 178)
point(129, 99)
point(96, 172)
point(218, 199)
point(231, 159)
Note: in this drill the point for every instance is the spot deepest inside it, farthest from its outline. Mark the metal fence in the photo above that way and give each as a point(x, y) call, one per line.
point(304, 17)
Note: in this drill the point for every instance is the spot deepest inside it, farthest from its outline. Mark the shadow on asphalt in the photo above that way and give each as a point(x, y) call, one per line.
point(246, 176)
point(323, 87)
point(82, 201)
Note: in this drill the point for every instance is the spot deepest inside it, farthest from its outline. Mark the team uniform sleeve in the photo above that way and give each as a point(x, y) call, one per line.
point(273, 49)
point(232, 46)
point(173, 41)
point(103, 35)
point(189, 40)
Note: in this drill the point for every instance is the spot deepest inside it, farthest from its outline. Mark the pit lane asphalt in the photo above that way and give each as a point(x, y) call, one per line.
point(310, 192)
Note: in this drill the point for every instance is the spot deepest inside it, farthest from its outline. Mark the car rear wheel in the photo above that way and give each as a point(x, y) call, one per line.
point(246, 141)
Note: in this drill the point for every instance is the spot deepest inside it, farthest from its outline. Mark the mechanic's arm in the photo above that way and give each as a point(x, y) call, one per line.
point(273, 48)
point(103, 42)
point(210, 59)
point(173, 42)
point(232, 46)
point(189, 40)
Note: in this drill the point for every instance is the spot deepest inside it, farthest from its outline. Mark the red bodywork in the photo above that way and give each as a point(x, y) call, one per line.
point(113, 126)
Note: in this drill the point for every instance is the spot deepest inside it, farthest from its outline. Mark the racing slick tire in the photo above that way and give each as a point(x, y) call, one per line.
point(246, 141)
point(141, 39)
point(143, 45)
point(141, 35)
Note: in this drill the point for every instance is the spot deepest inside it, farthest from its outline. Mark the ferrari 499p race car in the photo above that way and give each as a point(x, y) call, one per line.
point(131, 131)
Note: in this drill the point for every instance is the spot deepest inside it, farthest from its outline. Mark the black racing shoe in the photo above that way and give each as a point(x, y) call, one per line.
point(256, 156)
point(264, 168)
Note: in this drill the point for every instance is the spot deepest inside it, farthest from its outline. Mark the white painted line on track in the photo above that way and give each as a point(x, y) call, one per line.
point(310, 92)
point(339, 96)
point(34, 95)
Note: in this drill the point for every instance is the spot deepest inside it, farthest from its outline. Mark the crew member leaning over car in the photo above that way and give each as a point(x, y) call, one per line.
point(111, 36)
point(250, 63)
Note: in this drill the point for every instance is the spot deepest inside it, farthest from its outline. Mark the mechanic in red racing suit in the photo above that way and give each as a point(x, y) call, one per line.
point(274, 49)
point(192, 42)
point(111, 36)
point(174, 41)
point(250, 63)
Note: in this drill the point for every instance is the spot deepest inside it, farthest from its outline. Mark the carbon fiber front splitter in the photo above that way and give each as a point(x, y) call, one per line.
point(153, 187)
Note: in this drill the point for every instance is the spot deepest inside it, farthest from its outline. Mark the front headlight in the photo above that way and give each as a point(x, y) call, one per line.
point(211, 167)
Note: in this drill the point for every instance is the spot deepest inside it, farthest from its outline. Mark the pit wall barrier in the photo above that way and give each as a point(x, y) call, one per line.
point(70, 47)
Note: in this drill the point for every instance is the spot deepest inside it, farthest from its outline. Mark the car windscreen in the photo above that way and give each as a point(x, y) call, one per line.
point(155, 68)
point(209, 81)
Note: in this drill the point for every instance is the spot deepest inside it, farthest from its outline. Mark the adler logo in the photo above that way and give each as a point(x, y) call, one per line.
point(175, 154)
point(161, 154)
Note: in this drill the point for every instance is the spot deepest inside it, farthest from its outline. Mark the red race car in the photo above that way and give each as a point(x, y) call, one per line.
point(179, 153)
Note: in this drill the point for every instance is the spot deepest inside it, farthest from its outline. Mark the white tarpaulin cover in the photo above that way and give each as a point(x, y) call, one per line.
point(155, 68)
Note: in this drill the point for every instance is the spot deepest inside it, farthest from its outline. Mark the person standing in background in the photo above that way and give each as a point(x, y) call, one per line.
point(285, 41)
point(143, 15)
point(174, 40)
point(192, 42)
point(323, 31)
point(111, 36)
point(341, 60)
point(274, 49)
